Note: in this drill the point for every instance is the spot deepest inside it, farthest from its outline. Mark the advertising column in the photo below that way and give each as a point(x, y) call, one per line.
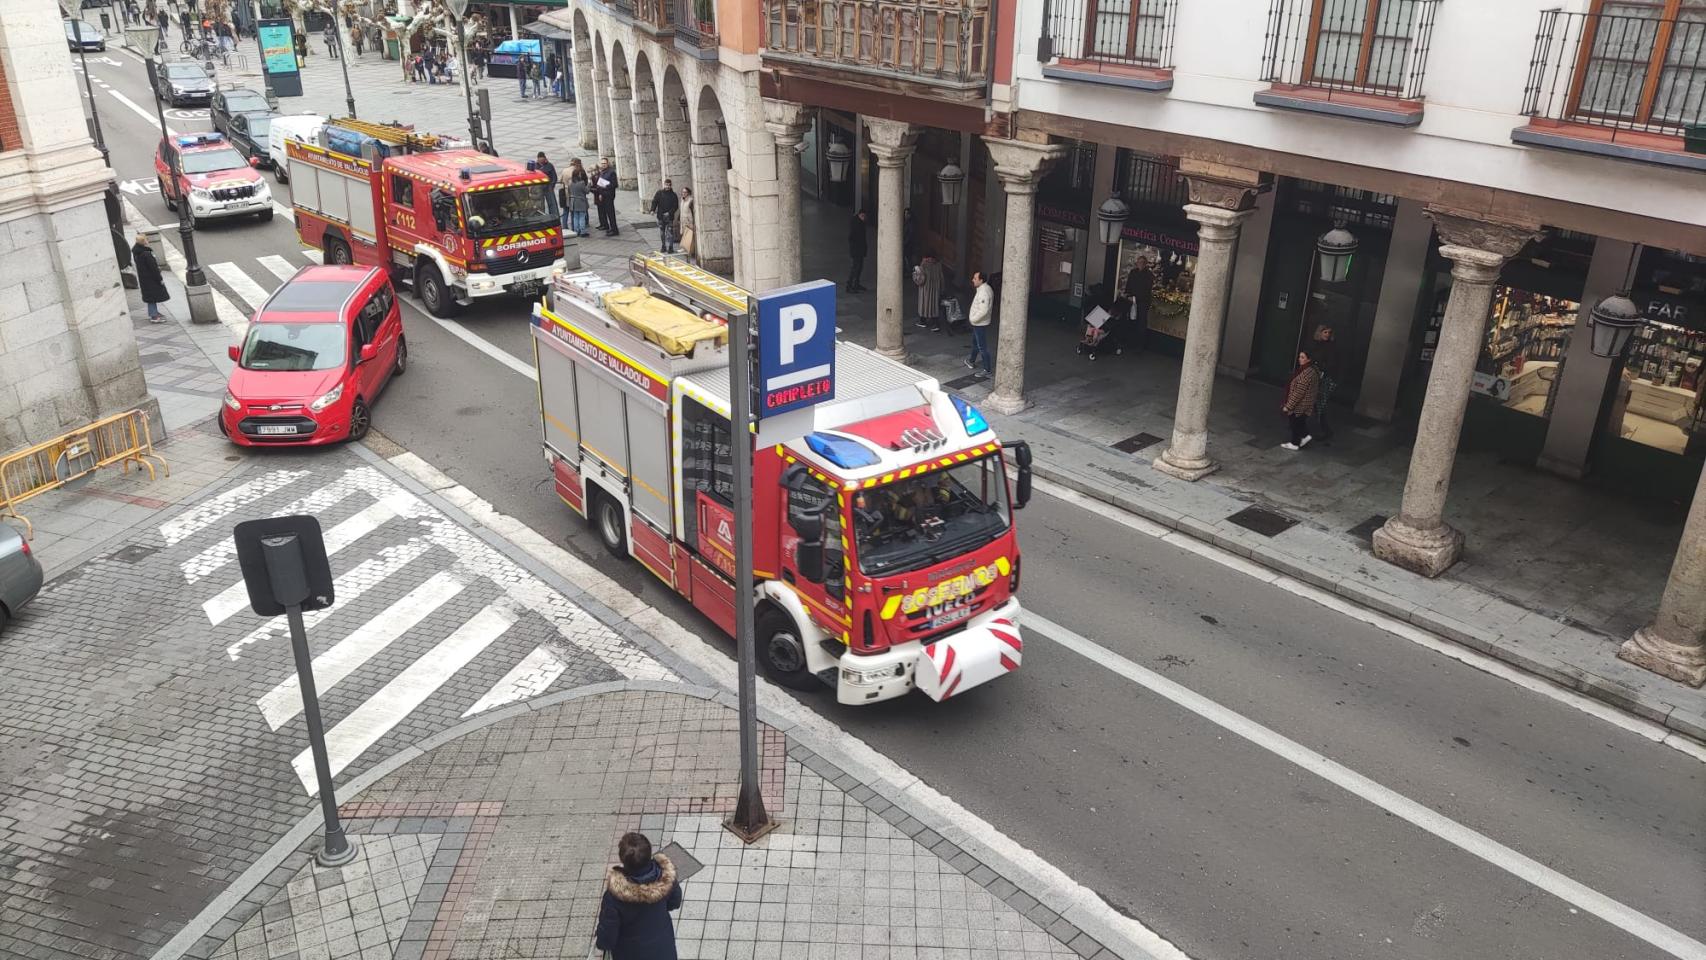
point(278, 57)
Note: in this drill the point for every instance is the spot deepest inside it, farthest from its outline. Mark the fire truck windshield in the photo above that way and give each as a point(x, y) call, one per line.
point(212, 161)
point(510, 210)
point(930, 518)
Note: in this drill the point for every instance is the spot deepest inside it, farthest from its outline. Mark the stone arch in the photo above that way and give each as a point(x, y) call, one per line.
point(713, 227)
point(620, 91)
point(600, 103)
point(648, 171)
point(675, 141)
point(580, 55)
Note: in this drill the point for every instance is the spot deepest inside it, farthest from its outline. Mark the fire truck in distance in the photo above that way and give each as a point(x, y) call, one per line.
point(885, 555)
point(454, 223)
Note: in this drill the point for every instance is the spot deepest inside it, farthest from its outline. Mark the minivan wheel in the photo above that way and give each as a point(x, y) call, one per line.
point(402, 364)
point(360, 419)
point(781, 652)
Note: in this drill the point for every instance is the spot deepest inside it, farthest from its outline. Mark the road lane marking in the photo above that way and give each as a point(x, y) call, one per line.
point(212, 511)
point(314, 256)
point(283, 703)
point(137, 108)
point(347, 588)
point(1464, 838)
point(248, 291)
point(281, 210)
point(277, 266)
point(399, 698)
point(529, 678)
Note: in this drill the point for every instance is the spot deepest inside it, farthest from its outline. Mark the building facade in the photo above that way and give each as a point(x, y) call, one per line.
point(67, 351)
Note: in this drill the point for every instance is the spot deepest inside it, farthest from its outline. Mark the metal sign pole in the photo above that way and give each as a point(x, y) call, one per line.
point(750, 820)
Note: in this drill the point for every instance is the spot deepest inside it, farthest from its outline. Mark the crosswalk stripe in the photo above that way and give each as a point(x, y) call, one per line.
point(210, 560)
point(234, 598)
point(212, 511)
point(347, 589)
point(397, 699)
point(251, 293)
point(315, 256)
point(277, 265)
point(282, 703)
point(531, 677)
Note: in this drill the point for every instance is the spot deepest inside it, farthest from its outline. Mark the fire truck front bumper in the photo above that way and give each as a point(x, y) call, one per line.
point(989, 646)
point(523, 282)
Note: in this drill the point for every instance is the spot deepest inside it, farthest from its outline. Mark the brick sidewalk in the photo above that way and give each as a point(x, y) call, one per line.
point(494, 844)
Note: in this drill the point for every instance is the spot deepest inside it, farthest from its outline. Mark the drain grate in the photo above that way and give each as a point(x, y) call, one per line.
point(960, 383)
point(134, 553)
point(685, 865)
point(1136, 442)
point(1266, 522)
point(1365, 530)
point(646, 224)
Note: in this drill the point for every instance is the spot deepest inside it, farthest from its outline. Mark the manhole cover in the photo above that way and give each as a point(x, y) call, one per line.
point(1136, 442)
point(637, 224)
point(960, 383)
point(1365, 530)
point(1263, 521)
point(685, 865)
point(134, 552)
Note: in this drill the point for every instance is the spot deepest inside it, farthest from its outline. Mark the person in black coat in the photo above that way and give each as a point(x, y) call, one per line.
point(639, 893)
point(148, 278)
point(857, 246)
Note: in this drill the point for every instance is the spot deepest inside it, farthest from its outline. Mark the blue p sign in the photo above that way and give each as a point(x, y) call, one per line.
point(796, 347)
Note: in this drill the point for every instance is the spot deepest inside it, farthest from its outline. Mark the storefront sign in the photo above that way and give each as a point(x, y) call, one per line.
point(1058, 214)
point(1164, 239)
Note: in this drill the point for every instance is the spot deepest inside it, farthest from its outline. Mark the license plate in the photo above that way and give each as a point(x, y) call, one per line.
point(276, 428)
point(952, 616)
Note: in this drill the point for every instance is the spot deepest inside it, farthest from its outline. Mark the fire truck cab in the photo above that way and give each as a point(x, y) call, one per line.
point(455, 223)
point(885, 553)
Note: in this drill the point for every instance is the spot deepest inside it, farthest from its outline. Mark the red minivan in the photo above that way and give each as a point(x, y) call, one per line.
point(317, 354)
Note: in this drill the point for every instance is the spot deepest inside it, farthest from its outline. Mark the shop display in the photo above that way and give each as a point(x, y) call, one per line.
point(1526, 340)
point(1660, 401)
point(1170, 297)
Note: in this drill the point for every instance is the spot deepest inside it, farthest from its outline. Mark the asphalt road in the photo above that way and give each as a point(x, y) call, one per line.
point(1223, 846)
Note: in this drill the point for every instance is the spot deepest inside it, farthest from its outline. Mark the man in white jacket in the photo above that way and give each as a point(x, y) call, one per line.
point(982, 305)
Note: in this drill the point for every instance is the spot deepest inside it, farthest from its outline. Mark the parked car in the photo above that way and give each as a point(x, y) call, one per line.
point(317, 354)
point(248, 134)
point(230, 102)
point(183, 83)
point(304, 127)
point(20, 573)
point(85, 33)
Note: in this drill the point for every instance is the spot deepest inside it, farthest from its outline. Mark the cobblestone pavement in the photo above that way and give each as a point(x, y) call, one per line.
point(154, 743)
point(494, 845)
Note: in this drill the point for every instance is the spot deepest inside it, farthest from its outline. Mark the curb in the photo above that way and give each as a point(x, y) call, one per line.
point(1683, 722)
point(1057, 914)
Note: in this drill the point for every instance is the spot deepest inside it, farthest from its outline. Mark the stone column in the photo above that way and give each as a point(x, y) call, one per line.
point(892, 143)
point(1019, 165)
point(1395, 312)
point(586, 94)
point(1418, 538)
point(1674, 644)
point(1220, 208)
point(622, 137)
point(1578, 393)
point(713, 236)
point(788, 124)
point(1244, 302)
point(606, 145)
point(648, 167)
point(675, 148)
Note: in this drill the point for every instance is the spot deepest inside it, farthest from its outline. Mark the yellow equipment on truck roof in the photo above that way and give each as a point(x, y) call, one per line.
point(673, 328)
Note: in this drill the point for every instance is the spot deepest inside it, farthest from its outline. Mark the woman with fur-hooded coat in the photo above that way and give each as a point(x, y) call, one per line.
point(639, 893)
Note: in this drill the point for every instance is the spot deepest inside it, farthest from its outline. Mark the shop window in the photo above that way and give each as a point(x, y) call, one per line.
point(1660, 399)
point(1645, 63)
point(1527, 337)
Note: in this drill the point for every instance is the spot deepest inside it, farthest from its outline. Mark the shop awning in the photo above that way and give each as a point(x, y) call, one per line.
point(563, 20)
point(549, 31)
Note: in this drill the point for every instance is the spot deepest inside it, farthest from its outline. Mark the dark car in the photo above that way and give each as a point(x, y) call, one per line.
point(184, 82)
point(248, 133)
point(85, 33)
point(229, 103)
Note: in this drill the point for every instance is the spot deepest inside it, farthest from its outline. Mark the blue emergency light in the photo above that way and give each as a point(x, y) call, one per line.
point(972, 416)
point(845, 452)
point(196, 139)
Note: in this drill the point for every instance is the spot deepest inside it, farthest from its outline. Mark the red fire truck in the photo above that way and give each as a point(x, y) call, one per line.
point(884, 547)
point(456, 224)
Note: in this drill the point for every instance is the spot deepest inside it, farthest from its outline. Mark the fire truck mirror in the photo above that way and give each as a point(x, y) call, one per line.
point(794, 478)
point(1021, 453)
point(808, 557)
point(1022, 488)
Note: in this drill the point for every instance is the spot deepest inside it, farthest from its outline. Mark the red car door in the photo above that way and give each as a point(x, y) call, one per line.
point(364, 328)
point(390, 325)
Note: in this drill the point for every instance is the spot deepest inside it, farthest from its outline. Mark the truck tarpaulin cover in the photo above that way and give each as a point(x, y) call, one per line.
point(661, 322)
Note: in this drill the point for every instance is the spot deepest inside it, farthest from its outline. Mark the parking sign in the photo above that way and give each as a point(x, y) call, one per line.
point(796, 347)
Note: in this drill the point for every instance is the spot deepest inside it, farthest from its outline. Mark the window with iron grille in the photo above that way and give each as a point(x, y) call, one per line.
point(1146, 181)
point(1645, 61)
point(1339, 204)
point(1361, 43)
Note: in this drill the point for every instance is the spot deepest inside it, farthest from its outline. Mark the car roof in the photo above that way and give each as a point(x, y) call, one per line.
point(339, 282)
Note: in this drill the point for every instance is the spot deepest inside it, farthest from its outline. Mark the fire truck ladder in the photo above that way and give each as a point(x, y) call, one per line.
point(394, 135)
point(673, 277)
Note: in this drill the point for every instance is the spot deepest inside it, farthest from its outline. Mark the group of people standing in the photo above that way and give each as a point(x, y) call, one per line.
point(531, 73)
point(433, 65)
point(581, 192)
point(931, 283)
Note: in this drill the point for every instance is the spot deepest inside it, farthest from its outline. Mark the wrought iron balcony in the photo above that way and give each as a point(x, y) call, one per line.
point(1627, 76)
point(1362, 58)
point(696, 26)
point(943, 44)
point(656, 17)
point(622, 8)
point(1126, 42)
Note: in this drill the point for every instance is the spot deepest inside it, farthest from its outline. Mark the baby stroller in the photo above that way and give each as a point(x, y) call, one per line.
point(1100, 332)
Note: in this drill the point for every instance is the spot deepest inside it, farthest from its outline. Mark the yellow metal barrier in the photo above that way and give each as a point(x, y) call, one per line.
point(123, 438)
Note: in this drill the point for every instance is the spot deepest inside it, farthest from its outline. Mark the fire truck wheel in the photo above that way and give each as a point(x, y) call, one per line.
point(607, 517)
point(435, 296)
point(360, 418)
point(780, 651)
point(337, 251)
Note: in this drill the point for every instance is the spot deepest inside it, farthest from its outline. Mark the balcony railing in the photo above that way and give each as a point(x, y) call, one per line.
point(656, 16)
point(936, 41)
point(1137, 33)
point(623, 8)
point(1623, 73)
point(1371, 47)
point(696, 24)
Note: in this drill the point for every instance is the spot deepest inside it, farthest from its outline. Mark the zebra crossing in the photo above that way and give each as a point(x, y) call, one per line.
point(426, 613)
point(249, 282)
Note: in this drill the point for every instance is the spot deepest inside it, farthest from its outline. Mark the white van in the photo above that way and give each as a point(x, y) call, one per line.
point(304, 127)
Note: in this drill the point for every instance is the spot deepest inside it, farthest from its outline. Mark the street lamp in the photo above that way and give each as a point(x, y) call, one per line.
point(94, 109)
point(1611, 323)
point(953, 182)
point(1335, 248)
point(196, 292)
point(1110, 219)
point(722, 132)
point(840, 157)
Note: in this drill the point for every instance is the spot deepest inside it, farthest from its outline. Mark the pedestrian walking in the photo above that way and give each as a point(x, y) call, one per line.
point(858, 245)
point(666, 206)
point(927, 277)
point(689, 240)
point(604, 186)
point(331, 38)
point(301, 49)
point(1325, 351)
point(1301, 395)
point(360, 41)
point(521, 73)
point(1140, 292)
point(148, 278)
point(639, 893)
point(536, 75)
point(579, 188)
point(982, 307)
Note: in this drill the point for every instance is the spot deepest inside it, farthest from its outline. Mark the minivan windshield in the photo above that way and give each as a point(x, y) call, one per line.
point(930, 518)
point(294, 346)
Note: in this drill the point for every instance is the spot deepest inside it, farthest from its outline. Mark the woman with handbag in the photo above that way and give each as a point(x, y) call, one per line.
point(1301, 395)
